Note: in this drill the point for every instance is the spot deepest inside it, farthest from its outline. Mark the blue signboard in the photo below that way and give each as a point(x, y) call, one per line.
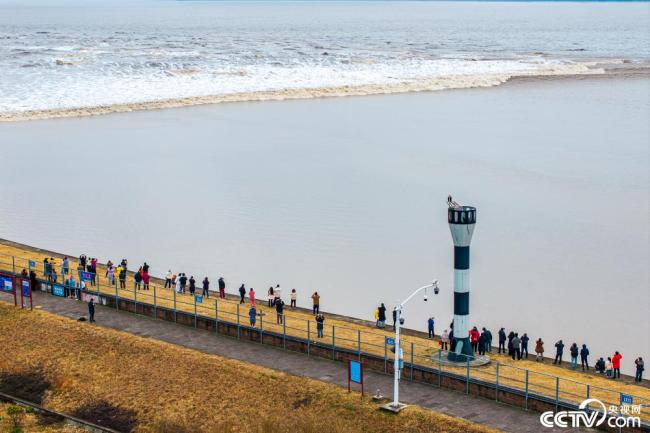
point(85, 276)
point(58, 290)
point(198, 299)
point(390, 341)
point(32, 264)
point(355, 371)
point(6, 283)
point(626, 399)
point(27, 292)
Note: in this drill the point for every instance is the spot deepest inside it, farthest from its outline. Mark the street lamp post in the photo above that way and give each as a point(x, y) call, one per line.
point(395, 406)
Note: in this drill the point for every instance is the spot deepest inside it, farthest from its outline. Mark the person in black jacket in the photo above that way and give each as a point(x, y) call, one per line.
point(502, 340)
point(279, 309)
point(242, 293)
point(488, 340)
point(584, 357)
point(206, 288)
point(91, 310)
point(192, 285)
point(511, 335)
point(382, 315)
point(559, 351)
point(524, 345)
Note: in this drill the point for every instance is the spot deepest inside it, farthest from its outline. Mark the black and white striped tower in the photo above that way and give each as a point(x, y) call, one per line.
point(461, 223)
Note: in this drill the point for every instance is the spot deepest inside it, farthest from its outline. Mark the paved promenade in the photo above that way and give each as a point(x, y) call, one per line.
point(454, 403)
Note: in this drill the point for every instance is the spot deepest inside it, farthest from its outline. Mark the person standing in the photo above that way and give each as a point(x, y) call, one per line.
point(616, 364)
point(515, 343)
point(381, 316)
point(600, 365)
point(251, 296)
point(110, 274)
point(502, 340)
point(320, 319)
point(252, 315)
point(168, 279)
point(488, 339)
point(482, 339)
point(222, 288)
point(584, 357)
point(559, 351)
point(294, 298)
point(145, 280)
point(473, 338)
point(206, 288)
point(277, 293)
point(640, 366)
point(608, 367)
point(539, 350)
point(270, 297)
point(65, 266)
point(524, 345)
point(242, 293)
point(511, 335)
point(315, 299)
point(444, 340)
point(430, 324)
point(91, 310)
point(178, 284)
point(122, 278)
point(573, 350)
point(279, 309)
point(192, 285)
point(183, 279)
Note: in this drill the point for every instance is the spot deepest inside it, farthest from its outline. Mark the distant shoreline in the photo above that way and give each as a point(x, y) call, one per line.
point(427, 85)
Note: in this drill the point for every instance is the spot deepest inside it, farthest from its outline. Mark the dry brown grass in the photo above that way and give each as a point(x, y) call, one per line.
point(31, 423)
point(173, 389)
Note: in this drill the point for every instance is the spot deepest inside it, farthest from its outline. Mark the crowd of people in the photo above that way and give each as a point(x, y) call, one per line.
point(511, 343)
point(517, 347)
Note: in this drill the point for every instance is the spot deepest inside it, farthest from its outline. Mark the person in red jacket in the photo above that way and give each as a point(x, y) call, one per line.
point(474, 336)
point(616, 364)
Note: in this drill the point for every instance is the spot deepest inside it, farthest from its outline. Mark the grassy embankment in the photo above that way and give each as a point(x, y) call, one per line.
point(151, 386)
point(541, 377)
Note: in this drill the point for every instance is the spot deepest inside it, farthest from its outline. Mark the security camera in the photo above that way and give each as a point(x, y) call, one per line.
point(401, 320)
point(436, 289)
point(426, 298)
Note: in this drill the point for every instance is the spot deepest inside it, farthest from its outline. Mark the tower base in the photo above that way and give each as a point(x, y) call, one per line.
point(462, 351)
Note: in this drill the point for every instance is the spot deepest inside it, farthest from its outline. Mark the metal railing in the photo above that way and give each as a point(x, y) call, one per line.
point(357, 341)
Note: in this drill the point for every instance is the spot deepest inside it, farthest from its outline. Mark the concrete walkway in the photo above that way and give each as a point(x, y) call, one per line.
point(479, 410)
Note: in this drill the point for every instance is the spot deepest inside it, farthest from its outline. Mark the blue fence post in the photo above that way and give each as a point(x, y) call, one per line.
point(216, 316)
point(284, 332)
point(588, 391)
point(526, 400)
point(359, 344)
point(261, 327)
point(308, 337)
point(174, 306)
point(238, 325)
point(333, 343)
point(155, 305)
point(439, 368)
point(135, 298)
point(117, 299)
point(385, 356)
point(412, 361)
point(557, 392)
point(467, 376)
point(195, 315)
point(496, 393)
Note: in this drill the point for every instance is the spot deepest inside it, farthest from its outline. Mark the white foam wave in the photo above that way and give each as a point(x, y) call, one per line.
point(85, 93)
